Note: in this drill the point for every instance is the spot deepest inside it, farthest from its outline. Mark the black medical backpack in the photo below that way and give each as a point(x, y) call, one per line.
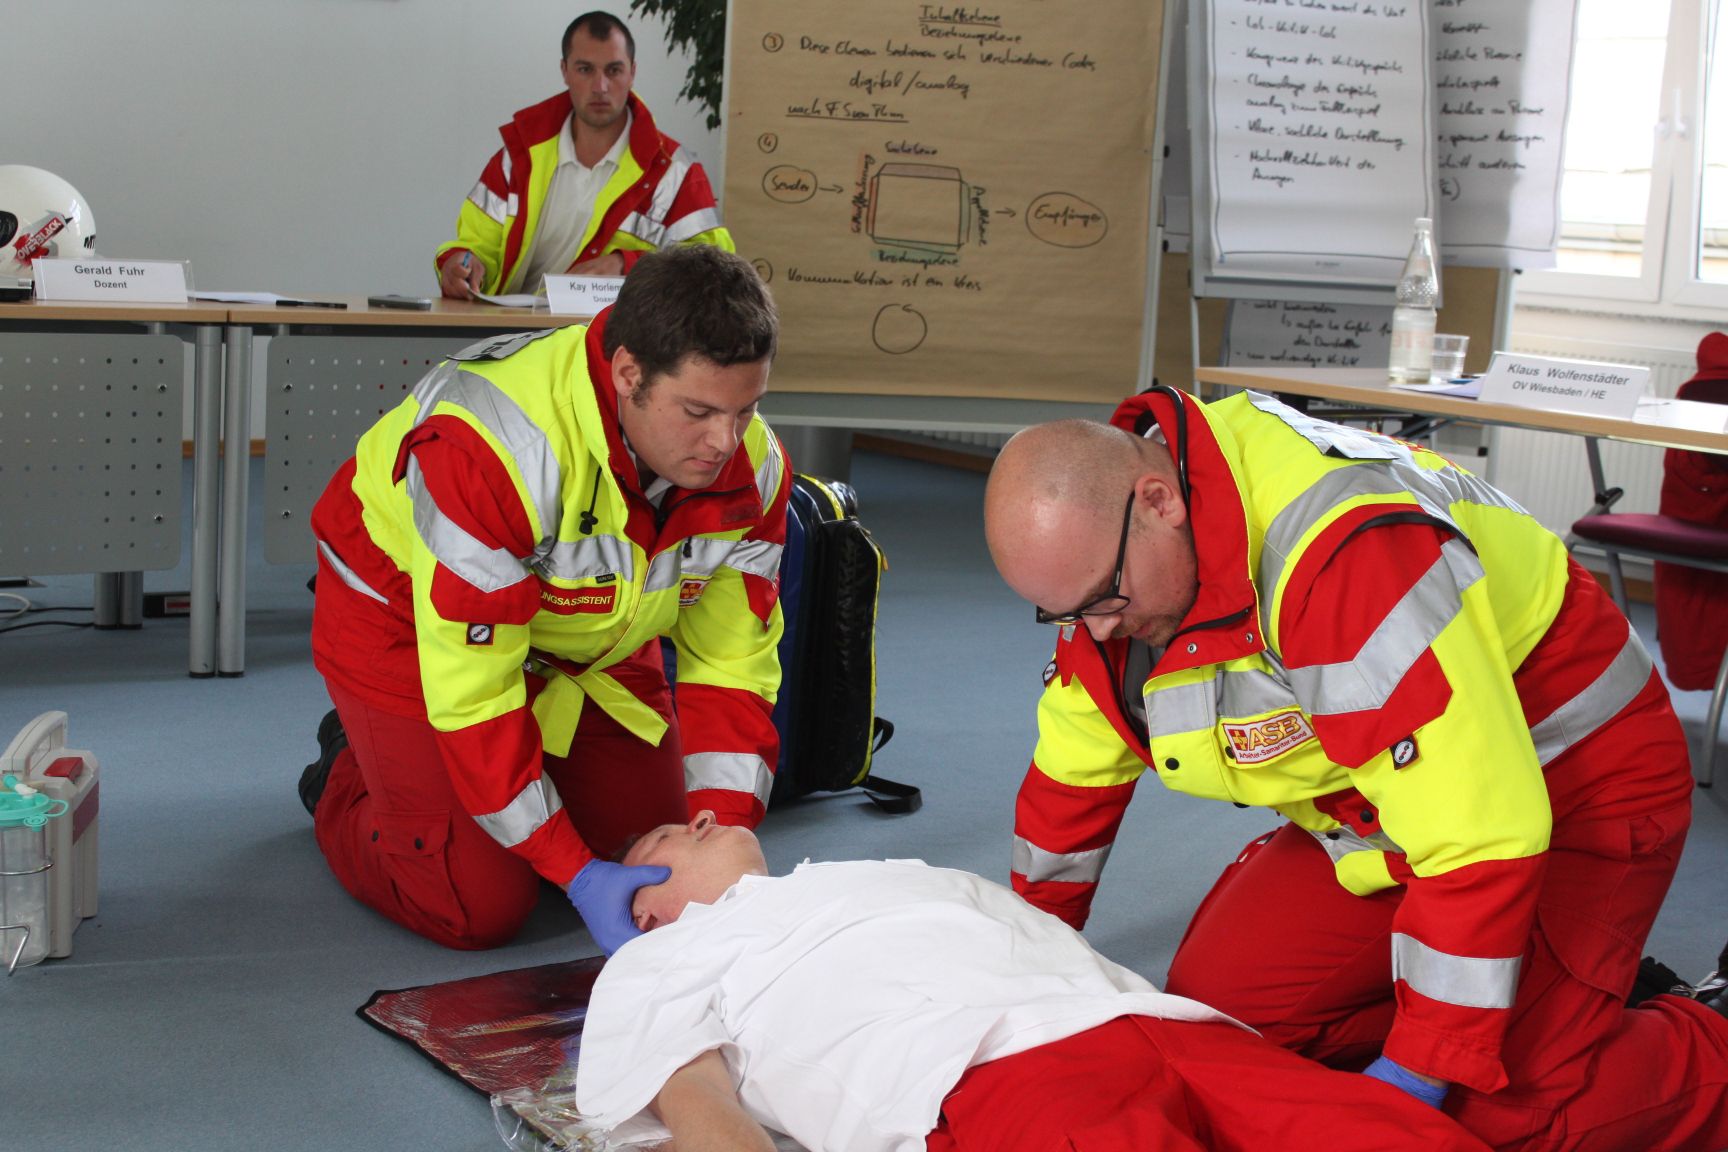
point(830, 575)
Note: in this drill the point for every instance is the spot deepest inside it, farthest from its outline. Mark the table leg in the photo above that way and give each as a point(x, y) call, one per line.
point(236, 474)
point(206, 435)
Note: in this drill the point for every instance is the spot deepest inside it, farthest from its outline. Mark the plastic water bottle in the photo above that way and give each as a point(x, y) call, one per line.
point(1413, 318)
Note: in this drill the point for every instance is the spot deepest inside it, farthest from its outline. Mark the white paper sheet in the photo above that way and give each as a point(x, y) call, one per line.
point(1321, 134)
point(513, 300)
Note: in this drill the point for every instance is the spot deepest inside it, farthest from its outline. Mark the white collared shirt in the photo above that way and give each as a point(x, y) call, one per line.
point(569, 206)
point(847, 1000)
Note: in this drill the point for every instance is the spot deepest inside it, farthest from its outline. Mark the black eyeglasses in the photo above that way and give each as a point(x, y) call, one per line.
point(1112, 601)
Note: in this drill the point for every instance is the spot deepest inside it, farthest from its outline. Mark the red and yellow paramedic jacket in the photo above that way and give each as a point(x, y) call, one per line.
point(496, 556)
point(658, 198)
point(1373, 652)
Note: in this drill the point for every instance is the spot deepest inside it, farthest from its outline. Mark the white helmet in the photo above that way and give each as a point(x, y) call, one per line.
point(41, 216)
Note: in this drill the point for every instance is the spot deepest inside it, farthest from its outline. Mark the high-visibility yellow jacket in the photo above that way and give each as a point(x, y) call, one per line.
point(490, 534)
point(1383, 649)
point(658, 198)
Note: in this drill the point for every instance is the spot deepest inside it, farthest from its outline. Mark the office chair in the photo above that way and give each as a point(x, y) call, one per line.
point(1696, 485)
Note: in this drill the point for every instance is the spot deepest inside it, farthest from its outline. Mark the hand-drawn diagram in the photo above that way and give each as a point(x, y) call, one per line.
point(898, 329)
point(918, 208)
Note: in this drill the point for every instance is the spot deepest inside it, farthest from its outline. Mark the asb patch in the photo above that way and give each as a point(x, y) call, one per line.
point(1049, 673)
point(1404, 752)
point(690, 590)
point(1254, 741)
point(574, 601)
point(480, 634)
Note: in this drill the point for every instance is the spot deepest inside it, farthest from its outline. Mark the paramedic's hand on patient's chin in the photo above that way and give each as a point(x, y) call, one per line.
point(602, 892)
point(1432, 1093)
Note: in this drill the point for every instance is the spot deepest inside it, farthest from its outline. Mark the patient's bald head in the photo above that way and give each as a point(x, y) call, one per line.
point(706, 858)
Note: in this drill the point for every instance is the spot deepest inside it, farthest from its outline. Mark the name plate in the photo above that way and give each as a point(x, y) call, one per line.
point(1584, 386)
point(128, 281)
point(581, 295)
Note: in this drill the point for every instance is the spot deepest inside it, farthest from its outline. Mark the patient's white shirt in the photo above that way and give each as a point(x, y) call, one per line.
point(846, 999)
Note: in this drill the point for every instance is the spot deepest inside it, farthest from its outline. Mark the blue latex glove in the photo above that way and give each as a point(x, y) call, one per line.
point(602, 892)
point(1399, 1076)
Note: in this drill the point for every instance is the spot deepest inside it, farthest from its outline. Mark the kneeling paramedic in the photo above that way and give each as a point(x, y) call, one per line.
point(1486, 788)
point(497, 566)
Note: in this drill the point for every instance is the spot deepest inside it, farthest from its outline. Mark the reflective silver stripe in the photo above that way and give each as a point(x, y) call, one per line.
point(1415, 622)
point(729, 772)
point(509, 164)
point(665, 194)
point(347, 575)
point(755, 557)
point(643, 229)
point(490, 202)
point(772, 468)
point(1183, 708)
point(1598, 703)
point(1342, 842)
point(692, 224)
point(587, 558)
point(1036, 864)
point(487, 569)
point(509, 425)
point(704, 555)
point(1468, 981)
point(537, 803)
point(664, 572)
point(1251, 692)
point(1232, 693)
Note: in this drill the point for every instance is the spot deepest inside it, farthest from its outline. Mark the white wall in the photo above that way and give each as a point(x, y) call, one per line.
point(297, 146)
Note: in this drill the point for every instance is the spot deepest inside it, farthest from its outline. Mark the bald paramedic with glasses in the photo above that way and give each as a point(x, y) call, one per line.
point(497, 566)
point(1486, 791)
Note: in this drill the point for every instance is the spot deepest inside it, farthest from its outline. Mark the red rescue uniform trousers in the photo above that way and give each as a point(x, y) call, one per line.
point(1281, 946)
point(1138, 1084)
point(399, 840)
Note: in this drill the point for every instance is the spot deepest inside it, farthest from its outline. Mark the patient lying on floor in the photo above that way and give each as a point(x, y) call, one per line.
point(892, 1005)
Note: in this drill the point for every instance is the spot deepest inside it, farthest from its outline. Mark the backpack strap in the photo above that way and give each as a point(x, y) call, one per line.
point(888, 795)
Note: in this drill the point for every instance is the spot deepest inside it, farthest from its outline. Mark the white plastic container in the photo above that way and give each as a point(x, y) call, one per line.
point(24, 867)
point(70, 780)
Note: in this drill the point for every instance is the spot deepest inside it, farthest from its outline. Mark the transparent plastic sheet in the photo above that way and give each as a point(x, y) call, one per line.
point(545, 1119)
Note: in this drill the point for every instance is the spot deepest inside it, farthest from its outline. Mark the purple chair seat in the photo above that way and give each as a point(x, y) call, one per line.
point(1647, 531)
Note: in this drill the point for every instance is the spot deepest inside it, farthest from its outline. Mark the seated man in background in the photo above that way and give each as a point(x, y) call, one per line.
point(584, 184)
point(891, 1005)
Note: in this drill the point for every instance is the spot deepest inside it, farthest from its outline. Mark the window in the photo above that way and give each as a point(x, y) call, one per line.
point(1644, 195)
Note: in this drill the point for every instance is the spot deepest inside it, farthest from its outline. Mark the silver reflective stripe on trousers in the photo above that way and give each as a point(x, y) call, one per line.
point(1410, 629)
point(347, 575)
point(1036, 864)
point(1597, 704)
point(729, 772)
point(518, 820)
point(1468, 981)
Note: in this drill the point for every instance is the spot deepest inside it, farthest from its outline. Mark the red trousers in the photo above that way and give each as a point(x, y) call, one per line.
point(395, 835)
point(1138, 1084)
point(1281, 946)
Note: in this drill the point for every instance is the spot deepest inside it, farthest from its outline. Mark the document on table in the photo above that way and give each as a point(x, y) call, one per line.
point(240, 297)
point(513, 300)
point(1469, 387)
